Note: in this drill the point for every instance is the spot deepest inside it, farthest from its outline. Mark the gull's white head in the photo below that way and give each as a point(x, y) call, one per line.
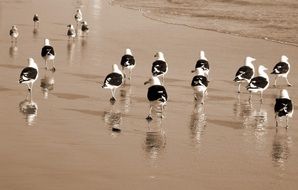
point(153, 81)
point(160, 56)
point(202, 55)
point(128, 51)
point(200, 71)
point(46, 42)
point(116, 69)
point(284, 94)
point(32, 63)
point(14, 27)
point(248, 62)
point(284, 58)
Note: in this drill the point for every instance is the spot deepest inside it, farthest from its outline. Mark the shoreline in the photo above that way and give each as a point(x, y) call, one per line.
point(146, 14)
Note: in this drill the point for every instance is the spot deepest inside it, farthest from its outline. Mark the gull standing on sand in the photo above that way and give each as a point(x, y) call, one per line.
point(29, 74)
point(199, 84)
point(14, 33)
point(202, 63)
point(283, 107)
point(157, 95)
point(84, 27)
point(259, 83)
point(159, 66)
point(245, 73)
point(36, 20)
point(128, 61)
point(113, 81)
point(78, 16)
point(282, 69)
point(48, 54)
point(71, 33)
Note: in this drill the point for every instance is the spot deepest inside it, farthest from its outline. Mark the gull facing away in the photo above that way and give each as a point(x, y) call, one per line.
point(283, 107)
point(156, 94)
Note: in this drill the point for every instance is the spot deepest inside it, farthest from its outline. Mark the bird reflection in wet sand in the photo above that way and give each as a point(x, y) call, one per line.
point(47, 83)
point(198, 123)
point(113, 119)
point(13, 49)
point(125, 98)
point(254, 120)
point(155, 140)
point(29, 108)
point(70, 51)
point(281, 147)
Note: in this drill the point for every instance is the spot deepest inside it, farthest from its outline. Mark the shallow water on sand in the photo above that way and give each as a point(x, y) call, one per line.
point(267, 19)
point(71, 137)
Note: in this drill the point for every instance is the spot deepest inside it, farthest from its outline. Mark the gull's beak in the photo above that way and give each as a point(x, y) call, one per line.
point(146, 82)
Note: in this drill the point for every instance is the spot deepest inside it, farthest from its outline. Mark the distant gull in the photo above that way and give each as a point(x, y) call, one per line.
point(128, 62)
point(159, 66)
point(157, 95)
point(84, 27)
point(14, 33)
point(282, 69)
point(245, 73)
point(36, 20)
point(48, 54)
point(71, 33)
point(29, 74)
point(199, 84)
point(113, 81)
point(78, 16)
point(202, 63)
point(283, 107)
point(259, 83)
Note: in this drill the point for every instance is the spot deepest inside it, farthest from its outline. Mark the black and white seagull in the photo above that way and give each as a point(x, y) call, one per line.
point(84, 27)
point(156, 94)
point(14, 33)
point(283, 107)
point(282, 69)
point(71, 33)
point(259, 83)
point(128, 62)
point(48, 54)
point(36, 20)
point(199, 84)
point(159, 66)
point(29, 74)
point(245, 73)
point(78, 16)
point(113, 81)
point(202, 63)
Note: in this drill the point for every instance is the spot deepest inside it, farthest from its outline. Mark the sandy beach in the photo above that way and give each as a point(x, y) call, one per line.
point(66, 141)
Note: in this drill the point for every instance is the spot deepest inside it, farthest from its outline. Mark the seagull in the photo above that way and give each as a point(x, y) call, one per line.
point(283, 106)
point(128, 61)
point(71, 33)
point(159, 66)
point(259, 83)
point(29, 74)
point(157, 95)
point(36, 20)
point(245, 73)
point(84, 27)
point(282, 69)
point(202, 63)
point(113, 81)
point(47, 53)
point(14, 33)
point(78, 16)
point(199, 84)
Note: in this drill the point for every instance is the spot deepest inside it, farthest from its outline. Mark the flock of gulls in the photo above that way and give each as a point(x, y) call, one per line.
point(157, 94)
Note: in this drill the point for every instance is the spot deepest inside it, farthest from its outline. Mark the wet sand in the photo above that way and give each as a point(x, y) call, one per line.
point(68, 141)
